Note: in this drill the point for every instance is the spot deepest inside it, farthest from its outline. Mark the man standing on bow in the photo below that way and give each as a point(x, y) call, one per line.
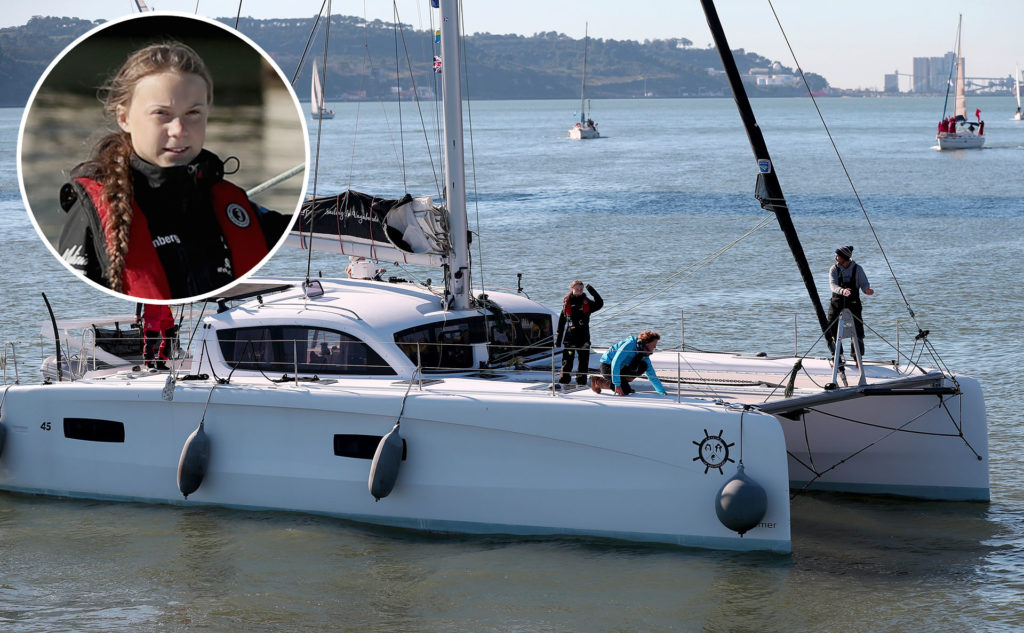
point(846, 279)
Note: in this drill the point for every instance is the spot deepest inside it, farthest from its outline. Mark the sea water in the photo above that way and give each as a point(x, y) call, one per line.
point(659, 216)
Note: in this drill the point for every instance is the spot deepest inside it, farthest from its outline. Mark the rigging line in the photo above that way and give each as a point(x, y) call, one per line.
point(893, 430)
point(685, 273)
point(309, 41)
point(359, 102)
point(935, 358)
point(959, 426)
point(238, 14)
point(842, 461)
point(398, 88)
point(472, 150)
point(319, 131)
point(956, 60)
point(842, 163)
point(437, 97)
point(195, 327)
point(419, 109)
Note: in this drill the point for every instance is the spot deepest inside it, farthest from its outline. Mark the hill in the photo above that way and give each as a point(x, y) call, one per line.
point(361, 62)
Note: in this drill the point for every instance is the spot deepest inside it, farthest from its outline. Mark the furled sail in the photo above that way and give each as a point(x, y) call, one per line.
point(408, 230)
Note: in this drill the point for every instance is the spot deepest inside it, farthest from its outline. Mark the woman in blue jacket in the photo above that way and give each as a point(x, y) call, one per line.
point(625, 361)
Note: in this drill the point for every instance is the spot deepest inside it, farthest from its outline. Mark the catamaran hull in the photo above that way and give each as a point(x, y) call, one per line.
point(928, 446)
point(947, 140)
point(919, 435)
point(524, 464)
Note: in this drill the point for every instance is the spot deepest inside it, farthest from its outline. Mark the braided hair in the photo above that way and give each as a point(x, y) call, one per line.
point(112, 153)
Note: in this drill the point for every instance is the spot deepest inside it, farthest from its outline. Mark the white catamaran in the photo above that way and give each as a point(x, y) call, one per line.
point(957, 132)
point(394, 403)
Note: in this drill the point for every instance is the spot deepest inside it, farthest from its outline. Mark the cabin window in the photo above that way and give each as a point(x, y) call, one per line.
point(518, 334)
point(445, 345)
point(93, 430)
point(310, 350)
point(360, 446)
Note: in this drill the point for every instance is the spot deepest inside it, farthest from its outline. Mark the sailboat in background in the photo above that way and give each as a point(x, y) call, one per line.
point(957, 132)
point(316, 103)
point(586, 128)
point(1016, 91)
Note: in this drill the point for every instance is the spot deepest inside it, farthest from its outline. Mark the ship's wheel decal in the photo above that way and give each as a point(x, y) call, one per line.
point(713, 451)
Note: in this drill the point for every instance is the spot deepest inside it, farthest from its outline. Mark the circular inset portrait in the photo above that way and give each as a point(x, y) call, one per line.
point(163, 157)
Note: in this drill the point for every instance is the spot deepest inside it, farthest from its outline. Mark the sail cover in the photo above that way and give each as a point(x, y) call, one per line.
point(408, 230)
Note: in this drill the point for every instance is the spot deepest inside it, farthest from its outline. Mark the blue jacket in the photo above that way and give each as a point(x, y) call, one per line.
point(625, 352)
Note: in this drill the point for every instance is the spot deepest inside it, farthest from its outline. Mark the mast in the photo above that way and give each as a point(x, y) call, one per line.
point(583, 89)
point(767, 190)
point(454, 159)
point(960, 108)
point(1016, 84)
point(953, 67)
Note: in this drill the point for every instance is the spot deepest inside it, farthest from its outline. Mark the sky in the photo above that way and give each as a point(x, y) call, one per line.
point(852, 44)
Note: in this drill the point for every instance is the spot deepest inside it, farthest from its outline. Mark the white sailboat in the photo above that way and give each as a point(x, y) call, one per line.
point(328, 396)
point(957, 132)
point(585, 128)
point(1018, 115)
point(318, 108)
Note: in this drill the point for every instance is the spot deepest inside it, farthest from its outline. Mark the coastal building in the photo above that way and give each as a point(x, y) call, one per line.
point(892, 83)
point(932, 74)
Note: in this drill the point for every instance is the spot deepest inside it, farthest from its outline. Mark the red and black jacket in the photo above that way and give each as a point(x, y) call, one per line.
point(191, 231)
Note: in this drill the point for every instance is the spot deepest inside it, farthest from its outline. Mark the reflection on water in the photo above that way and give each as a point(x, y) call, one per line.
point(125, 567)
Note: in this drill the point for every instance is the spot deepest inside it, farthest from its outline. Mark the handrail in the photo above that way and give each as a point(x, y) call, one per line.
point(796, 316)
point(14, 352)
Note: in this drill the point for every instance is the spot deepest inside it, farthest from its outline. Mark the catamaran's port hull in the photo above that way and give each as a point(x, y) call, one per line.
point(526, 464)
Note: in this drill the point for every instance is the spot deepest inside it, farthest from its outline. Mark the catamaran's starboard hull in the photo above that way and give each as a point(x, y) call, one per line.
point(474, 463)
point(947, 140)
point(920, 435)
point(927, 446)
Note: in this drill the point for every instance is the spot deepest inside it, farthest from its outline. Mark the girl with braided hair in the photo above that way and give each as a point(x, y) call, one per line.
point(149, 214)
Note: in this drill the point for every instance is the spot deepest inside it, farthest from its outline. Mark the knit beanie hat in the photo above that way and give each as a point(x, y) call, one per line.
point(846, 252)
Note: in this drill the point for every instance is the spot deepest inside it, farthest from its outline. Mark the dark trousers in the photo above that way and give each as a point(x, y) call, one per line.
point(629, 373)
point(580, 354)
point(157, 347)
point(835, 308)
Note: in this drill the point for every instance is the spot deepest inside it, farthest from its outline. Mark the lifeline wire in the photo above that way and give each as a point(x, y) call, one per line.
point(678, 277)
